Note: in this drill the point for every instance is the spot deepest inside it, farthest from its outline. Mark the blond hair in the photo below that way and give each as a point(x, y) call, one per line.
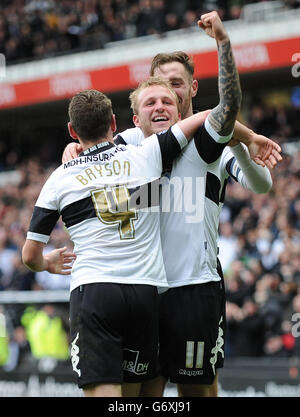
point(152, 81)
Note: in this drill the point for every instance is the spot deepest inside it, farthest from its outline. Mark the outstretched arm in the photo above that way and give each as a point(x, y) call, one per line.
point(223, 116)
point(220, 121)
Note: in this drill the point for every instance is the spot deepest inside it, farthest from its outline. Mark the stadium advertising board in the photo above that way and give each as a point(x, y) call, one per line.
point(250, 57)
point(236, 382)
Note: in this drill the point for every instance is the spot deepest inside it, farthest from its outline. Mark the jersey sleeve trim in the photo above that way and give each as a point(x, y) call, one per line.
point(177, 132)
point(218, 138)
point(38, 237)
point(171, 143)
point(208, 149)
point(43, 220)
point(233, 168)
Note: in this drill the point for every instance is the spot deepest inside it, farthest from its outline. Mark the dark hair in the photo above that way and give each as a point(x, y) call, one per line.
point(178, 56)
point(90, 114)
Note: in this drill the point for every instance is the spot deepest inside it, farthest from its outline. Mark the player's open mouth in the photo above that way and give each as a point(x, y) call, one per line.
point(160, 119)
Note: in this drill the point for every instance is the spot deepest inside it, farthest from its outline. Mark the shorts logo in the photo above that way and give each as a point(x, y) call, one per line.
point(74, 355)
point(218, 347)
point(193, 359)
point(190, 372)
point(131, 363)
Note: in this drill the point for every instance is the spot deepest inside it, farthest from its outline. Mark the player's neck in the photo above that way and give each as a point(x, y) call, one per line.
point(189, 113)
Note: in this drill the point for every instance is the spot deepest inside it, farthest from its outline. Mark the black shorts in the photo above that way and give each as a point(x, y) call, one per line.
point(192, 330)
point(114, 333)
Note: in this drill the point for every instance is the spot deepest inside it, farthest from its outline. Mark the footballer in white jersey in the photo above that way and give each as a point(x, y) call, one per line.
point(187, 260)
point(192, 344)
point(113, 301)
point(116, 236)
point(114, 241)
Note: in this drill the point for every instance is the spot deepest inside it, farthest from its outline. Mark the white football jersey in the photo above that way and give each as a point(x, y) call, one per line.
point(194, 191)
point(115, 239)
point(183, 226)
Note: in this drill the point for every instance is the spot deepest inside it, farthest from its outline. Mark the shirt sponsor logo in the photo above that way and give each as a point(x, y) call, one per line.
point(102, 157)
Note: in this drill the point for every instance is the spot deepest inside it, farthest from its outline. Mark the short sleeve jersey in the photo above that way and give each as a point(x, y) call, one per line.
point(114, 240)
point(189, 246)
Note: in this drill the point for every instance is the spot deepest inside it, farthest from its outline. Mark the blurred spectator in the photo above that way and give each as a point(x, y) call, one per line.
point(296, 332)
point(18, 350)
point(245, 329)
point(4, 350)
point(7, 253)
point(171, 22)
point(240, 283)
point(21, 279)
point(45, 333)
point(276, 346)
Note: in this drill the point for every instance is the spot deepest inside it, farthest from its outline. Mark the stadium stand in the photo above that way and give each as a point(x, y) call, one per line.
point(36, 29)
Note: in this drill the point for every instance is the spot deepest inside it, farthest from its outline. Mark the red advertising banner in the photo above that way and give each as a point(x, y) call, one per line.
point(249, 57)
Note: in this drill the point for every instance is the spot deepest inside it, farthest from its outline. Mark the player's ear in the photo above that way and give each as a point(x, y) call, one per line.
point(194, 88)
point(113, 123)
point(72, 132)
point(179, 116)
point(136, 120)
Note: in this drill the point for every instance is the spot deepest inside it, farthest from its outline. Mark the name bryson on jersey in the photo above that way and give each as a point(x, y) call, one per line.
point(112, 168)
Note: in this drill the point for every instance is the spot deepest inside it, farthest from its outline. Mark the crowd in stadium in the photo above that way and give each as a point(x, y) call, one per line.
point(259, 250)
point(35, 29)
